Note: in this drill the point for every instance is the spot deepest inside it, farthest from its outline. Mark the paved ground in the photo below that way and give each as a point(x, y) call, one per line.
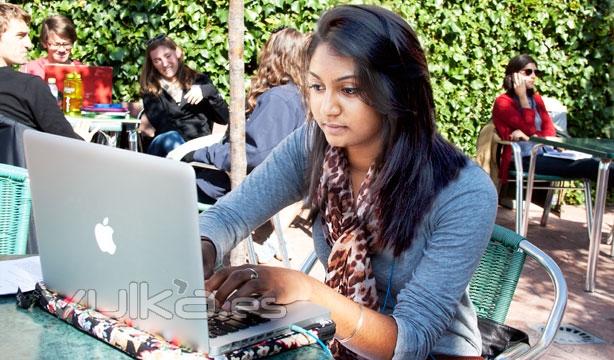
point(564, 239)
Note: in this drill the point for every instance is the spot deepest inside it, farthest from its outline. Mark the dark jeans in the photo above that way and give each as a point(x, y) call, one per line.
point(211, 184)
point(164, 143)
point(575, 169)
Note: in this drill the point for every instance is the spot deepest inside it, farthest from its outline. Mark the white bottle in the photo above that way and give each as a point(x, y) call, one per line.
point(53, 87)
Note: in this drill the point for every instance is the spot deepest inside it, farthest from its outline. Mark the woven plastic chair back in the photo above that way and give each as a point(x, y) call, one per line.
point(15, 205)
point(493, 284)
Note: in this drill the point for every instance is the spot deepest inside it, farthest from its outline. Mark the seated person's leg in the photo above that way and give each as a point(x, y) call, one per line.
point(162, 144)
point(211, 184)
point(584, 168)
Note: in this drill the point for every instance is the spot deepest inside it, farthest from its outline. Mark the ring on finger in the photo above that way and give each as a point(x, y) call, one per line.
point(253, 273)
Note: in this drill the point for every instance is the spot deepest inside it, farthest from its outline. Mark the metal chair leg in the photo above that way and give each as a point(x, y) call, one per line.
point(588, 204)
point(281, 240)
point(610, 240)
point(519, 189)
point(547, 206)
point(309, 263)
point(251, 252)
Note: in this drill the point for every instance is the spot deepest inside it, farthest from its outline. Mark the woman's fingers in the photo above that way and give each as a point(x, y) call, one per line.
point(248, 291)
point(519, 85)
point(194, 96)
point(235, 280)
point(518, 135)
point(217, 279)
point(519, 79)
point(274, 285)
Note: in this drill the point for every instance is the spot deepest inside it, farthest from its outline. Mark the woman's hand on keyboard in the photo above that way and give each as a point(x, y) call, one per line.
point(273, 284)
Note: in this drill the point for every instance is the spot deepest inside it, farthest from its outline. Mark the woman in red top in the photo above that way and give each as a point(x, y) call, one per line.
point(520, 113)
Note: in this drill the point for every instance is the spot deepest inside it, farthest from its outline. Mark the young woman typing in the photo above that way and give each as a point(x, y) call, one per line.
point(400, 217)
point(274, 110)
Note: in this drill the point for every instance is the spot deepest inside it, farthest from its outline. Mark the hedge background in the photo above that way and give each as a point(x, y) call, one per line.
point(468, 44)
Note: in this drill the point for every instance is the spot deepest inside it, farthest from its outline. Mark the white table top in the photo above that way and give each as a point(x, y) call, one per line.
point(103, 124)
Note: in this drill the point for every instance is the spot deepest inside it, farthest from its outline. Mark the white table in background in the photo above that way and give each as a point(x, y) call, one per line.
point(112, 128)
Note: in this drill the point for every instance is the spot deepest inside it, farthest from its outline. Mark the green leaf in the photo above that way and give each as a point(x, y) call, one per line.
point(467, 43)
point(118, 54)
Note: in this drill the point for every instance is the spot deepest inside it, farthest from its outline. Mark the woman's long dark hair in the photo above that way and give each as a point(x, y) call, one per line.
point(516, 64)
point(416, 162)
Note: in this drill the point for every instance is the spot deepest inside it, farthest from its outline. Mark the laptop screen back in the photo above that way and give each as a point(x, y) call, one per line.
point(97, 81)
point(122, 228)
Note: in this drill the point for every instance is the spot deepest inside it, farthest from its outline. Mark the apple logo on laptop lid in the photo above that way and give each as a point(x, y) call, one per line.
point(104, 236)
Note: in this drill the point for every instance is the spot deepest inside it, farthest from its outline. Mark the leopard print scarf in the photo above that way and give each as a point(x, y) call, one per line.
point(350, 231)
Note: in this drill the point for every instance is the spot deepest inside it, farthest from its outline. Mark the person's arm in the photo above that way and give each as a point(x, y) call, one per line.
point(278, 182)
point(548, 128)
point(145, 127)
point(47, 114)
point(272, 120)
point(373, 337)
point(520, 88)
point(155, 110)
point(217, 155)
point(507, 117)
point(216, 102)
point(462, 224)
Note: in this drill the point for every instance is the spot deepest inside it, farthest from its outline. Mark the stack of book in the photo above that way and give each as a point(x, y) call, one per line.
point(105, 111)
point(568, 154)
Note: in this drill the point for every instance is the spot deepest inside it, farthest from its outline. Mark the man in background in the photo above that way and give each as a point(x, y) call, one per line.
point(24, 98)
point(58, 35)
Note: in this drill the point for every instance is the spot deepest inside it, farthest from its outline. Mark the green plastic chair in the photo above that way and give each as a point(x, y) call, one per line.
point(494, 282)
point(15, 206)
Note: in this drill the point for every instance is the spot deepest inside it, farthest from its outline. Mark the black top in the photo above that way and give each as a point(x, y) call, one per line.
point(26, 99)
point(191, 121)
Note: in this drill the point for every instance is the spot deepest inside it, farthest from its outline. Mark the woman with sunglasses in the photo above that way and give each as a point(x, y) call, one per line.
point(520, 113)
point(179, 104)
point(400, 217)
point(58, 36)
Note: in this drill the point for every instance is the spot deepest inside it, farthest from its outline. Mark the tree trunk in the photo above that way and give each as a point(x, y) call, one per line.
point(238, 161)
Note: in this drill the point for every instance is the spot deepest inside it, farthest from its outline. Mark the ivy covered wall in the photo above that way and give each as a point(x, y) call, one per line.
point(468, 44)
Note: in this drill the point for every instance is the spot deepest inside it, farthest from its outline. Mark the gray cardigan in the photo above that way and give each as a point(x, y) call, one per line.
point(430, 304)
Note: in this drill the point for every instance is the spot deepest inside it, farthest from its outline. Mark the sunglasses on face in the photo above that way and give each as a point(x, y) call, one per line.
point(154, 39)
point(529, 72)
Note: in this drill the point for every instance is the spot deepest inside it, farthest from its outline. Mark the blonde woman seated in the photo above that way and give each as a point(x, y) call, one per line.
point(274, 110)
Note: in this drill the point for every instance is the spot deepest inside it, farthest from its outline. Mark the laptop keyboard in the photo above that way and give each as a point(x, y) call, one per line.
point(222, 323)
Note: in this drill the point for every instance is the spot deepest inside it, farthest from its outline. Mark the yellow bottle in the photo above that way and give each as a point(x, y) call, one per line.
point(69, 93)
point(77, 101)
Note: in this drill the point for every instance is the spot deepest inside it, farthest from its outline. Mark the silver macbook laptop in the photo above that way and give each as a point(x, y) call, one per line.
point(118, 231)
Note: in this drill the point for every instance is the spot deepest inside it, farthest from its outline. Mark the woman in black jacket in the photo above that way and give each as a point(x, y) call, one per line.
point(179, 103)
